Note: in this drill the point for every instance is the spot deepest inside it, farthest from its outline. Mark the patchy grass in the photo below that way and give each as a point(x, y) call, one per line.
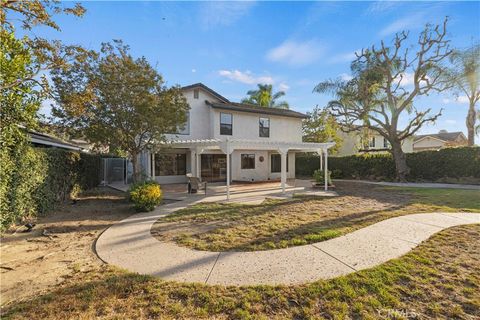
point(438, 279)
point(284, 223)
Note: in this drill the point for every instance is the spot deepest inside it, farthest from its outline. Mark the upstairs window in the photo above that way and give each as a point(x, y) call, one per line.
point(248, 161)
point(386, 144)
point(196, 93)
point(226, 123)
point(371, 142)
point(264, 127)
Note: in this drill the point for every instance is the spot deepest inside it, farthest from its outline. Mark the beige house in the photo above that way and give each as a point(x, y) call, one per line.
point(357, 142)
point(439, 140)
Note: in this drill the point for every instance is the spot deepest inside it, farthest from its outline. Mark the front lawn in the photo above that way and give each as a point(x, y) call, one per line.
point(438, 279)
point(298, 221)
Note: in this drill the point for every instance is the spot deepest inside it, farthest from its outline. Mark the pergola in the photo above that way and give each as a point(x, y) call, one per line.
point(227, 146)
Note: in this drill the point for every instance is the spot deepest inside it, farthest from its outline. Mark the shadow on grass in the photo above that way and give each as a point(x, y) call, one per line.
point(437, 279)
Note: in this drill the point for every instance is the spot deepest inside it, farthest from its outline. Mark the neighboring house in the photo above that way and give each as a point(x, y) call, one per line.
point(252, 143)
point(43, 140)
point(439, 140)
point(358, 143)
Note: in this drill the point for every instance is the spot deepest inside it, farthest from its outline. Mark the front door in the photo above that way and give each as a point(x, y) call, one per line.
point(214, 167)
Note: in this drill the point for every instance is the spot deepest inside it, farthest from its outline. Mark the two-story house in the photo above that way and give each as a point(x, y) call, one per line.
point(226, 139)
point(357, 143)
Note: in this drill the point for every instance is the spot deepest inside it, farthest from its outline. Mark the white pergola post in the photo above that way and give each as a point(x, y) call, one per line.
point(193, 162)
point(198, 153)
point(283, 171)
point(319, 152)
point(326, 169)
point(228, 175)
point(227, 149)
point(152, 159)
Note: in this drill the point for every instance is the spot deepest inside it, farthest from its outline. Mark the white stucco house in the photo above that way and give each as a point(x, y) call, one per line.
point(354, 143)
point(224, 141)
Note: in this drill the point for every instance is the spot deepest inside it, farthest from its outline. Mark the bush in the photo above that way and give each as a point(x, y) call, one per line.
point(146, 195)
point(33, 180)
point(458, 165)
point(319, 177)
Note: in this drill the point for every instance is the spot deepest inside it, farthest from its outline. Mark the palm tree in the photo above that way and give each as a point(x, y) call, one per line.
point(465, 77)
point(264, 97)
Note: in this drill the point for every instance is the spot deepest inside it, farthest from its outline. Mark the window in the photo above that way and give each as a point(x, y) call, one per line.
point(170, 164)
point(248, 161)
point(196, 93)
point(371, 142)
point(386, 144)
point(264, 127)
point(276, 163)
point(226, 122)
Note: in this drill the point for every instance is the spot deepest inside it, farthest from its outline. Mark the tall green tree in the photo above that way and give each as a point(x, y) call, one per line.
point(24, 63)
point(379, 94)
point(465, 76)
point(265, 97)
point(46, 54)
point(321, 126)
point(119, 101)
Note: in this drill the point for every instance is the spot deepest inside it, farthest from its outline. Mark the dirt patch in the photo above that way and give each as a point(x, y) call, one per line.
point(59, 246)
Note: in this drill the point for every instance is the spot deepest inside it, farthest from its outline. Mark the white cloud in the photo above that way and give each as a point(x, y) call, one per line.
point(344, 57)
point(245, 77)
point(345, 77)
point(296, 53)
point(194, 70)
point(450, 121)
point(456, 100)
point(405, 23)
point(223, 13)
point(283, 86)
point(383, 6)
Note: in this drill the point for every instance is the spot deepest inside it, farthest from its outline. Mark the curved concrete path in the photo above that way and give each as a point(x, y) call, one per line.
point(130, 245)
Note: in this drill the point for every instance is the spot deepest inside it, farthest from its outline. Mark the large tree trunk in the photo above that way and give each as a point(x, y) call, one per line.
point(136, 168)
point(400, 159)
point(470, 122)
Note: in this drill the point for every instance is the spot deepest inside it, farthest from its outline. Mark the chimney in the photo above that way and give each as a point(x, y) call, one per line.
point(443, 131)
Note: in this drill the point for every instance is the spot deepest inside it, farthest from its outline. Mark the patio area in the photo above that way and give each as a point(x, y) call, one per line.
point(240, 192)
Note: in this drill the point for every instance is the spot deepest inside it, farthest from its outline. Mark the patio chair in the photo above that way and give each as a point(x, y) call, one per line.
point(194, 184)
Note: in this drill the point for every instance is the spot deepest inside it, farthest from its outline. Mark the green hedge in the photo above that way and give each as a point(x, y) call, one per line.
point(33, 180)
point(446, 165)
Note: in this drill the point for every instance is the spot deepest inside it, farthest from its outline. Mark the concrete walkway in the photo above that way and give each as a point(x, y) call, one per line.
point(130, 245)
point(417, 184)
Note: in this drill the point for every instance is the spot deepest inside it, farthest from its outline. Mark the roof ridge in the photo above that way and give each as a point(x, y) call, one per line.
point(206, 88)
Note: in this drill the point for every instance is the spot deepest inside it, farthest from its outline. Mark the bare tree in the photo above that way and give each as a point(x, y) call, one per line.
point(465, 76)
point(386, 81)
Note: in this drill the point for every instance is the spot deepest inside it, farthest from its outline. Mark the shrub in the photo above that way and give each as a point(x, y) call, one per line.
point(446, 165)
point(146, 195)
point(319, 177)
point(33, 180)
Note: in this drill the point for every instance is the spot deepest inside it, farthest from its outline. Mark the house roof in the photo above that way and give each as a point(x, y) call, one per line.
point(204, 87)
point(51, 141)
point(244, 107)
point(444, 136)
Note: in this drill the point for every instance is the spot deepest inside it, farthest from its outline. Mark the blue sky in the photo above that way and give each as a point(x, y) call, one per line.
point(293, 45)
